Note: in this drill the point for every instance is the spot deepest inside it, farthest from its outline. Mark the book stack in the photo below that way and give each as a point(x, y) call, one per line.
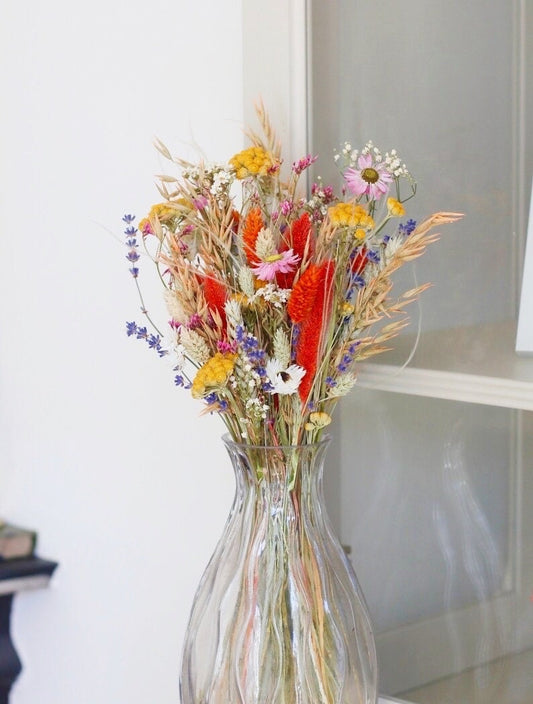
point(16, 542)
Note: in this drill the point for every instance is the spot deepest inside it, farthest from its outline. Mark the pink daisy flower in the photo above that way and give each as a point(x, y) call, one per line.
point(282, 262)
point(370, 178)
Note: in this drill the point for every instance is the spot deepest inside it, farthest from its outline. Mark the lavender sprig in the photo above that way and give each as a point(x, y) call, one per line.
point(133, 257)
point(141, 333)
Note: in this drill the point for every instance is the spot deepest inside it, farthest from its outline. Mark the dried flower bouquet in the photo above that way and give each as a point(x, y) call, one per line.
point(274, 296)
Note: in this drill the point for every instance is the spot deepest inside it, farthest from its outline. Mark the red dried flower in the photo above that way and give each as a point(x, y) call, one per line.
point(299, 237)
point(310, 340)
point(360, 261)
point(303, 294)
point(215, 296)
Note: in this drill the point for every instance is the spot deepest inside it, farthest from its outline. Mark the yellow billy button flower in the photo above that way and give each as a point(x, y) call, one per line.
point(162, 212)
point(395, 208)
point(254, 161)
point(214, 374)
point(317, 420)
point(350, 215)
point(346, 309)
point(366, 221)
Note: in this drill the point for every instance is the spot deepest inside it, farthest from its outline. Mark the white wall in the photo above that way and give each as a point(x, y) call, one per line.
point(127, 487)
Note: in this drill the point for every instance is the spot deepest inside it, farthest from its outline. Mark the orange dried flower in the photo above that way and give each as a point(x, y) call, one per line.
point(252, 227)
point(300, 232)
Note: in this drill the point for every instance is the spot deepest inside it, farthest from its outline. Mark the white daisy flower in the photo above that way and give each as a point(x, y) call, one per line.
point(284, 380)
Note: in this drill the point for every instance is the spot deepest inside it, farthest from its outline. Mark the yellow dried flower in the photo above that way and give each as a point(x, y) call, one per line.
point(213, 374)
point(254, 161)
point(241, 298)
point(162, 212)
point(346, 308)
point(350, 215)
point(318, 419)
point(366, 221)
point(395, 208)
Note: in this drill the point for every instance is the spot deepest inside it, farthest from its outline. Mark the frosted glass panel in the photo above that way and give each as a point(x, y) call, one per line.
point(435, 80)
point(425, 503)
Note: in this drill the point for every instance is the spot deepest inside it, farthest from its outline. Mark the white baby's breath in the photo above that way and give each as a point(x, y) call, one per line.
point(271, 293)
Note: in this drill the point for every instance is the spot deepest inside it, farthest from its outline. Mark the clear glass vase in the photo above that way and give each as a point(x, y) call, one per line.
point(278, 617)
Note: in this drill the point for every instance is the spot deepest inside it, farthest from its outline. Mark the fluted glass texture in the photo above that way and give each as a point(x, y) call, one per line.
point(278, 617)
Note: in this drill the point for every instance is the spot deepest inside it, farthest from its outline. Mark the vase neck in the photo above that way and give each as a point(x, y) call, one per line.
point(285, 468)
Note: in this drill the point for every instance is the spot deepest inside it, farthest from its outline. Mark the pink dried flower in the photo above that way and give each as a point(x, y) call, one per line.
point(286, 207)
point(225, 347)
point(282, 263)
point(200, 203)
point(145, 226)
point(303, 164)
point(370, 178)
point(195, 321)
point(324, 193)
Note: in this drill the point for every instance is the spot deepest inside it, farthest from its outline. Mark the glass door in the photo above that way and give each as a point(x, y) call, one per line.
point(433, 494)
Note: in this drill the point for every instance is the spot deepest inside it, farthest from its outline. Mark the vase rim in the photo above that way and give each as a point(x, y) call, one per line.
point(229, 441)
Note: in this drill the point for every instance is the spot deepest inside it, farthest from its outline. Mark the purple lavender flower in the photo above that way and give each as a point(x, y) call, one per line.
point(141, 333)
point(133, 256)
point(179, 380)
point(357, 281)
point(348, 357)
point(154, 341)
point(255, 355)
point(131, 243)
point(406, 228)
point(213, 400)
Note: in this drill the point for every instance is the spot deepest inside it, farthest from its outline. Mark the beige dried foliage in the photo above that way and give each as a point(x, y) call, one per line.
point(373, 302)
point(269, 140)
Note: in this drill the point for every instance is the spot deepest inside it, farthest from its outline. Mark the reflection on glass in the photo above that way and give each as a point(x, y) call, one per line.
point(430, 505)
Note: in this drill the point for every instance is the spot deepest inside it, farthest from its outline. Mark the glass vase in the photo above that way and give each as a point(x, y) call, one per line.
point(278, 617)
